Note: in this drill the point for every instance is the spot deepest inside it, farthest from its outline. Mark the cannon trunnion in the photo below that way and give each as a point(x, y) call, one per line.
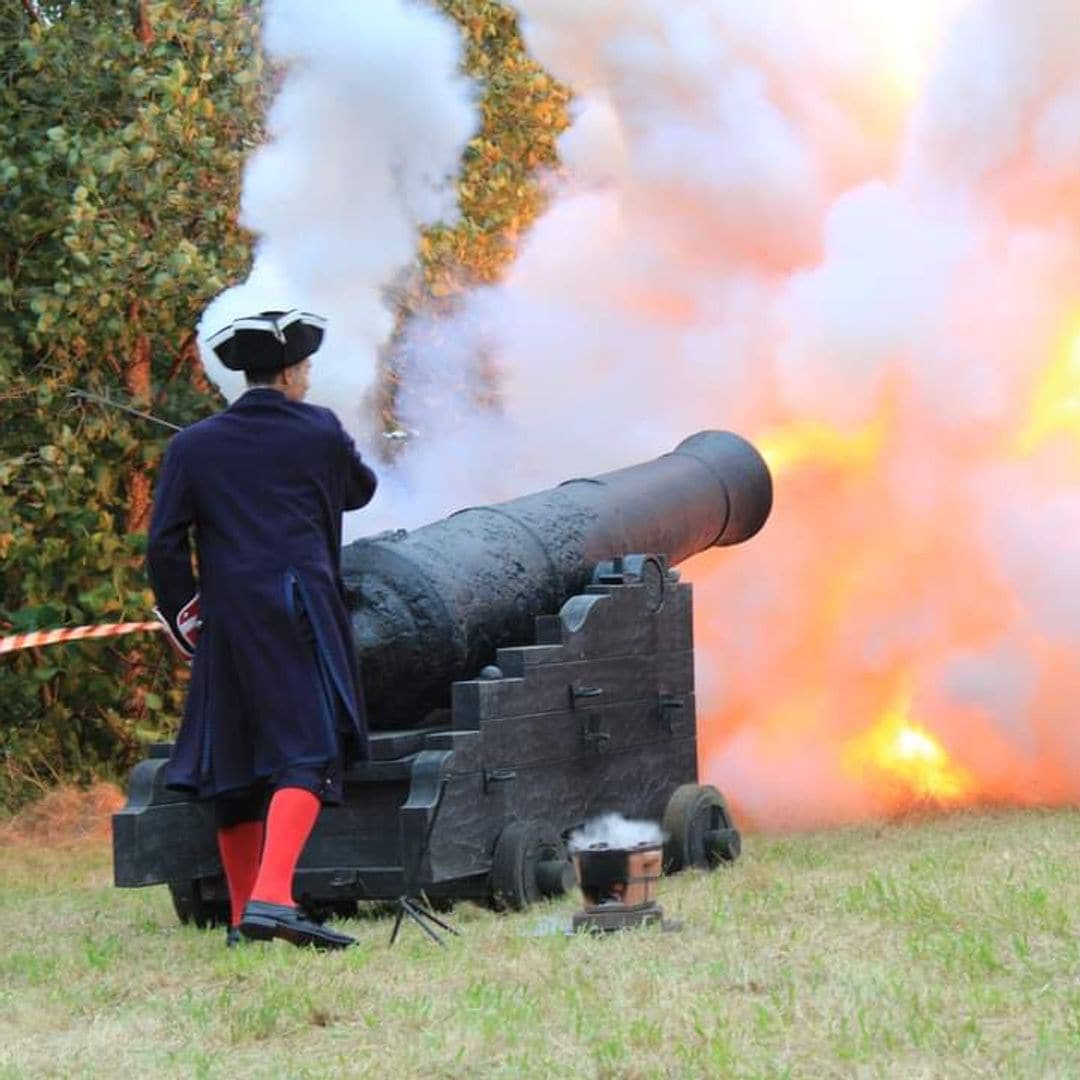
point(596, 716)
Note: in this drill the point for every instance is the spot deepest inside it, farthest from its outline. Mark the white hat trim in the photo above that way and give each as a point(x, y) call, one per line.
point(267, 325)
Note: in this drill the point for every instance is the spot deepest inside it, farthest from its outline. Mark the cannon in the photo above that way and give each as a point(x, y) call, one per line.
point(527, 666)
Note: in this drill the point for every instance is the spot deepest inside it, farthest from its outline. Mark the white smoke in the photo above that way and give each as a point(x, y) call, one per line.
point(1004, 65)
point(785, 250)
point(365, 141)
point(615, 831)
point(839, 212)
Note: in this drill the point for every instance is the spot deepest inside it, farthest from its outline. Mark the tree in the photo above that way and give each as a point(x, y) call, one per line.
point(119, 189)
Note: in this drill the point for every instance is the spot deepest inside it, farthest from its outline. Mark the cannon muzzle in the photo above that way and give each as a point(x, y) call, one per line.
point(431, 606)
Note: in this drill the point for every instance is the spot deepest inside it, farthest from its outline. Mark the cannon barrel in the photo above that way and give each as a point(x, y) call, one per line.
point(431, 606)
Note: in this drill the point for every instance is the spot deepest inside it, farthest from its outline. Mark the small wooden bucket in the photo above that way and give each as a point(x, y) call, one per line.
point(625, 877)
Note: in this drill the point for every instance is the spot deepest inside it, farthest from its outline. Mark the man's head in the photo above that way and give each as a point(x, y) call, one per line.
point(292, 381)
point(272, 349)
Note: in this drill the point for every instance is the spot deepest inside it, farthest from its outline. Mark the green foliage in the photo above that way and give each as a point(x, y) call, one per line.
point(123, 130)
point(500, 190)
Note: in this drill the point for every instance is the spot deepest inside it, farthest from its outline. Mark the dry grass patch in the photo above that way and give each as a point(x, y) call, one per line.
point(64, 816)
point(941, 947)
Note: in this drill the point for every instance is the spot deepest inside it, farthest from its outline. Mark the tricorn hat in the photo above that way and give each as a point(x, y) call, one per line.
point(268, 342)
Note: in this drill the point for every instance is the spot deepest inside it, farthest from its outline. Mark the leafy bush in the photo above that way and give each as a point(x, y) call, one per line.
point(123, 133)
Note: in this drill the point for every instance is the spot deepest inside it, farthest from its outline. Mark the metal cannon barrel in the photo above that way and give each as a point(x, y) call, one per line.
point(431, 606)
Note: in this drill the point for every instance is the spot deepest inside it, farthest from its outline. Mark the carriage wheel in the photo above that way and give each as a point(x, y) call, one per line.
point(191, 907)
point(700, 831)
point(530, 863)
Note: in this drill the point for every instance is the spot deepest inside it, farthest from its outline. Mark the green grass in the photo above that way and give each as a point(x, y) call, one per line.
point(941, 947)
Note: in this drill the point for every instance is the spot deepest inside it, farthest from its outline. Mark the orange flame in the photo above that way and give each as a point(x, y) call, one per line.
point(813, 443)
point(915, 764)
point(1055, 405)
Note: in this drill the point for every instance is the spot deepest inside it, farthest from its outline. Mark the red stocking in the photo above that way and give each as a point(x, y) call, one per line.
point(289, 822)
point(240, 847)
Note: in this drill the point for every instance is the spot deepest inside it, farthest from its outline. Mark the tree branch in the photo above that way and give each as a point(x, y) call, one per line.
point(144, 30)
point(184, 353)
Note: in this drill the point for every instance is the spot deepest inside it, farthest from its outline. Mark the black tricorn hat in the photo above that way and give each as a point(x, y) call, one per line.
point(268, 342)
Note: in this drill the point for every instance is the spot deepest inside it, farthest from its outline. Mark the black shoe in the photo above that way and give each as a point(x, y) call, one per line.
point(233, 937)
point(262, 922)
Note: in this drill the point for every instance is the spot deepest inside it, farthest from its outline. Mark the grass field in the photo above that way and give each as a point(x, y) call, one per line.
point(945, 946)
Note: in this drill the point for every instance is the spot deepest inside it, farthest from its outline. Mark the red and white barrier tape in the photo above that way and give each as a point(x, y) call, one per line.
point(74, 633)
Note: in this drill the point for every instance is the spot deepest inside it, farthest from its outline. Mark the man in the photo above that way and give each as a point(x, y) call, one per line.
point(274, 711)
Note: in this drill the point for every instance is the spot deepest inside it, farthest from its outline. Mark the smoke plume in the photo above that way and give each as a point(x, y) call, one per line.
point(615, 831)
point(364, 142)
point(847, 229)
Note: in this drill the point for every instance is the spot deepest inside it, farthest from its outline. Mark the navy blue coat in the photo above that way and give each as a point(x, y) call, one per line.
point(274, 681)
